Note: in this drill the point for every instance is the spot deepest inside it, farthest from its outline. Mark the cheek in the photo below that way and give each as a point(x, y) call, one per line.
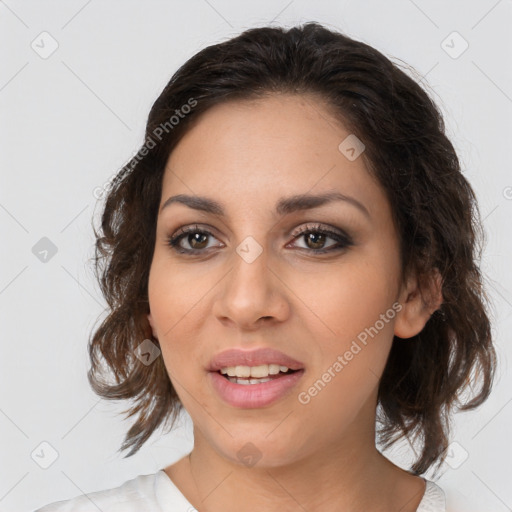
point(173, 301)
point(352, 328)
point(347, 377)
point(175, 296)
point(343, 300)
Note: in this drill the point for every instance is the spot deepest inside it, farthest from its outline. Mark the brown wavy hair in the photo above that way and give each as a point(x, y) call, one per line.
point(434, 209)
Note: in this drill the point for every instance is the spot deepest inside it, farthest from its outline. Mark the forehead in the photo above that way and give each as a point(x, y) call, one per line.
point(275, 146)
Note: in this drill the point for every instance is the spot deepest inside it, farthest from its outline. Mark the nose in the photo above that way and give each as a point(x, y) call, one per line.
point(252, 294)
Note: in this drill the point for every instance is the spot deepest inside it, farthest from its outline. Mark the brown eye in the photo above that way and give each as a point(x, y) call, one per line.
point(315, 240)
point(196, 238)
point(315, 237)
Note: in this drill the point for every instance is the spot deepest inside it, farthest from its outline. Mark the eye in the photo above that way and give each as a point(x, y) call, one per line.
point(315, 237)
point(194, 236)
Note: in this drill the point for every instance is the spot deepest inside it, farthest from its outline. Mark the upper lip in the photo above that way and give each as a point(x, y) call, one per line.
point(240, 357)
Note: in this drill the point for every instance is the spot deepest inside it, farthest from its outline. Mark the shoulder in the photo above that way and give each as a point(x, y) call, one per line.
point(136, 494)
point(434, 499)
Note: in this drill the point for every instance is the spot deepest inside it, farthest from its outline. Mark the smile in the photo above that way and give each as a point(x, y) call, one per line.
point(252, 392)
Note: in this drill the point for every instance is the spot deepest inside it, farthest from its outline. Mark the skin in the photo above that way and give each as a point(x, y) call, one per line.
point(315, 456)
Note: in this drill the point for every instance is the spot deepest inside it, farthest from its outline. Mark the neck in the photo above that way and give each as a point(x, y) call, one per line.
point(355, 476)
point(327, 472)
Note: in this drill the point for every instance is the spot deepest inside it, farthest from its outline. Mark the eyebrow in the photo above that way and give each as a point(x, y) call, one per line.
point(284, 205)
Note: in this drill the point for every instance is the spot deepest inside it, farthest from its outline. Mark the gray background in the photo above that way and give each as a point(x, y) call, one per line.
point(71, 119)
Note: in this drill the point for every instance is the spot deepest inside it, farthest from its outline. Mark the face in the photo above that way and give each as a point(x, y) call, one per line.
point(316, 281)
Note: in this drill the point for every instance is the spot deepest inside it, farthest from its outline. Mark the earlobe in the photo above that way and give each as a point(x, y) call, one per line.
point(150, 320)
point(418, 305)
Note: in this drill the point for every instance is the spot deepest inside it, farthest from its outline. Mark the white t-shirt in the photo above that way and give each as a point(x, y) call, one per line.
point(157, 493)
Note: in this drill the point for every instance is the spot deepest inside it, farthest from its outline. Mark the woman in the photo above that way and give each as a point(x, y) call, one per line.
point(291, 257)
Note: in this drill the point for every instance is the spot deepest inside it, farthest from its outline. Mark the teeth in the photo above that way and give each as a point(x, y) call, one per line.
point(242, 371)
point(261, 371)
point(273, 369)
point(247, 381)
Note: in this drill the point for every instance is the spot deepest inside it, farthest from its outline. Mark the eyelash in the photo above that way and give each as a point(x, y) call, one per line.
point(343, 240)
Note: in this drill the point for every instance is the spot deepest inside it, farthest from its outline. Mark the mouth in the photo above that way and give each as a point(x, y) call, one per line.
point(253, 375)
point(253, 378)
point(236, 362)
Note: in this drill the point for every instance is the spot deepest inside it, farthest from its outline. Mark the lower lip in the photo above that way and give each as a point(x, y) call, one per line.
point(250, 396)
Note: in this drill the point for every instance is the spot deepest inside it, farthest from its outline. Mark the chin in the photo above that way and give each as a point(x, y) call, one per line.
point(261, 453)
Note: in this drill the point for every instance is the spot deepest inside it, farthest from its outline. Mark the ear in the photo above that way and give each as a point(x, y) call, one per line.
point(150, 320)
point(419, 299)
